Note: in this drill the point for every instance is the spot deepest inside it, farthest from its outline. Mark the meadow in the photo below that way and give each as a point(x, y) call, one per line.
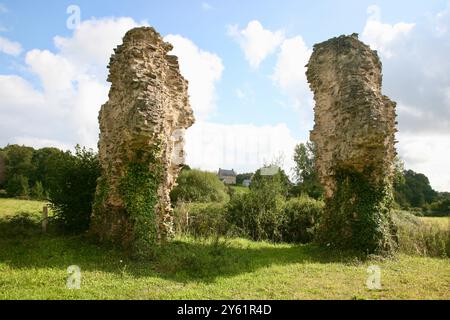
point(33, 265)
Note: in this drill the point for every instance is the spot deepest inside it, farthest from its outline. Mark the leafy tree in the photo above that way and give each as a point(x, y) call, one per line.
point(414, 190)
point(42, 161)
point(72, 184)
point(305, 172)
point(199, 186)
point(17, 186)
point(18, 160)
point(259, 213)
point(279, 181)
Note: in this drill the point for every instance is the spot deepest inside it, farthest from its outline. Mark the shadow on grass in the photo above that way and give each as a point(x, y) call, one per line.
point(23, 246)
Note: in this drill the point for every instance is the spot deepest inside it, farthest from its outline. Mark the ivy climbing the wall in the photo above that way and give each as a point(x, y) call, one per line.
point(139, 189)
point(358, 216)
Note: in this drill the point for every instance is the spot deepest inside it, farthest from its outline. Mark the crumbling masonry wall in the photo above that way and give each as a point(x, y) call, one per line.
point(141, 142)
point(354, 133)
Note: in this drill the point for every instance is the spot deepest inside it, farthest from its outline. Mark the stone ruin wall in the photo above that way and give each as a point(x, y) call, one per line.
point(354, 134)
point(142, 123)
point(354, 123)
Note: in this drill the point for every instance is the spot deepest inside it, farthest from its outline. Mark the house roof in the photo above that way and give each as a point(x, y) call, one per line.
point(227, 173)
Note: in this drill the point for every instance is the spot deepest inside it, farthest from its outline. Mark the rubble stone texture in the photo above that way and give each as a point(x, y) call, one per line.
point(141, 142)
point(354, 134)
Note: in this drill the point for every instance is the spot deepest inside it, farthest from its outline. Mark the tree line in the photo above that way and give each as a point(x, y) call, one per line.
point(412, 190)
point(68, 180)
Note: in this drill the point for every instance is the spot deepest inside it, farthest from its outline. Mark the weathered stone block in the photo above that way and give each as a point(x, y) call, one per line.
point(141, 142)
point(354, 133)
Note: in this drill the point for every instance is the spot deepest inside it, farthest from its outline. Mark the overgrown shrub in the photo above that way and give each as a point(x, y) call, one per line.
point(264, 214)
point(21, 225)
point(441, 206)
point(201, 219)
point(199, 186)
point(300, 218)
point(258, 214)
point(417, 237)
point(72, 186)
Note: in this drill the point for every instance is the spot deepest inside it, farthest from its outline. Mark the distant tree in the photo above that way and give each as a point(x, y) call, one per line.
point(199, 186)
point(42, 161)
point(18, 160)
point(305, 171)
point(2, 168)
point(17, 186)
point(414, 190)
point(259, 212)
point(279, 182)
point(37, 192)
point(243, 176)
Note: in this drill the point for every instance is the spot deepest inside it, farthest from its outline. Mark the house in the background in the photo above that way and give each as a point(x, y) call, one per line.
point(227, 176)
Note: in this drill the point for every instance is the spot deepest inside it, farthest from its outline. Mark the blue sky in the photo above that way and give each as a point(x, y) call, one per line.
point(244, 60)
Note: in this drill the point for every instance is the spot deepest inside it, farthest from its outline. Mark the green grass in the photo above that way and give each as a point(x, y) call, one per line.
point(442, 222)
point(34, 266)
point(10, 207)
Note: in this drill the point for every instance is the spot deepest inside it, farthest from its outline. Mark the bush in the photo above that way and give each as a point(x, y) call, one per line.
point(199, 186)
point(441, 206)
point(417, 237)
point(72, 187)
point(300, 217)
point(21, 225)
point(200, 219)
point(258, 214)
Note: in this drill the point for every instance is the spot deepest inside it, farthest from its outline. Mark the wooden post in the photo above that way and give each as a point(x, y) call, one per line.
point(44, 218)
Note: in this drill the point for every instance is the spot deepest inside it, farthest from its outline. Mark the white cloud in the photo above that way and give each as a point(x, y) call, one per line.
point(10, 47)
point(202, 69)
point(16, 91)
point(71, 87)
point(258, 43)
point(206, 6)
point(92, 43)
point(382, 36)
point(42, 143)
point(55, 72)
point(243, 147)
point(416, 74)
point(428, 154)
point(289, 73)
point(443, 21)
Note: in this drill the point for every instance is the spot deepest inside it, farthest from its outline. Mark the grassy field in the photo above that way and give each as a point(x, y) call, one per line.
point(11, 207)
point(34, 266)
point(441, 222)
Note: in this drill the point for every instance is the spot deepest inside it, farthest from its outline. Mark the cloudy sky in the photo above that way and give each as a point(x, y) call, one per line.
point(245, 64)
